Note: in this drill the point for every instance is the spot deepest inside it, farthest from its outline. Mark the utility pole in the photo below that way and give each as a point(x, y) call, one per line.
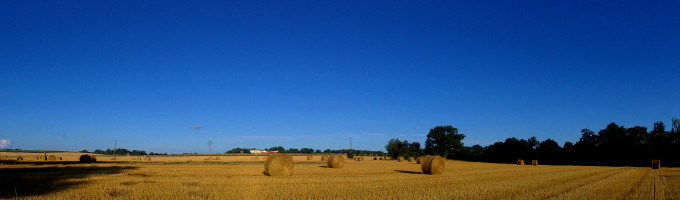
point(350, 147)
point(209, 149)
point(115, 142)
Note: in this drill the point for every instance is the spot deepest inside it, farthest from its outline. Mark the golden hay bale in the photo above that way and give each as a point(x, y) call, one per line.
point(656, 164)
point(43, 158)
point(400, 158)
point(85, 158)
point(309, 157)
point(418, 160)
point(147, 158)
point(361, 158)
point(534, 162)
point(380, 158)
point(336, 161)
point(375, 158)
point(279, 165)
point(139, 159)
point(60, 158)
point(411, 159)
point(324, 158)
point(51, 158)
point(520, 162)
point(20, 158)
point(433, 165)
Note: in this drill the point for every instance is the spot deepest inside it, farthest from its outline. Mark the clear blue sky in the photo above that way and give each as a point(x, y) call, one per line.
point(78, 74)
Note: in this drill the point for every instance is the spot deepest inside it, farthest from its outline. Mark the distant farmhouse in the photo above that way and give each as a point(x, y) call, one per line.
point(255, 151)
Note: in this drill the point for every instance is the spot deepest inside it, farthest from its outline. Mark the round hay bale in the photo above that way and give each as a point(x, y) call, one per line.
point(51, 158)
point(139, 159)
point(60, 158)
point(375, 158)
point(43, 158)
point(309, 157)
point(279, 165)
point(534, 162)
point(418, 160)
point(324, 158)
point(520, 162)
point(433, 165)
point(85, 158)
point(147, 158)
point(20, 158)
point(411, 159)
point(380, 158)
point(336, 161)
point(400, 158)
point(94, 158)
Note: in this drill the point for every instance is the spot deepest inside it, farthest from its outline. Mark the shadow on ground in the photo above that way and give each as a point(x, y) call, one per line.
point(407, 172)
point(23, 182)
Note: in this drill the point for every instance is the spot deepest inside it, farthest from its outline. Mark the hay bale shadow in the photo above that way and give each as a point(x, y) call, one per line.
point(45, 180)
point(407, 172)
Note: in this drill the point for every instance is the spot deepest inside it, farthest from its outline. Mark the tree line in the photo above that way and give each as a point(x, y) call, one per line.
point(122, 151)
point(441, 140)
point(280, 149)
point(613, 145)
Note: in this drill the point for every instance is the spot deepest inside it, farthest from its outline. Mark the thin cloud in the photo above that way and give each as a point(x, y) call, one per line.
point(5, 143)
point(196, 127)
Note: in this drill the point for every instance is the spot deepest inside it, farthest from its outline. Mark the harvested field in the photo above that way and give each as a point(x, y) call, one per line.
point(232, 178)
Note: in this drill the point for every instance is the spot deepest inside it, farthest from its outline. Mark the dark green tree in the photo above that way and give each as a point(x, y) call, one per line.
point(444, 141)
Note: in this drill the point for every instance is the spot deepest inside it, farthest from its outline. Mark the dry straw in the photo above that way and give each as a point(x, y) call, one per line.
point(335, 161)
point(534, 162)
point(418, 160)
point(520, 162)
point(656, 164)
point(411, 159)
point(51, 158)
point(279, 165)
point(324, 158)
point(433, 165)
point(401, 158)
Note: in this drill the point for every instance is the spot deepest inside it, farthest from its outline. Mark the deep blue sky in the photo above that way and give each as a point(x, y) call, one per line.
point(77, 75)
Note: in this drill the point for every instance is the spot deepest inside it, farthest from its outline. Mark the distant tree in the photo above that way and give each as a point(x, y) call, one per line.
point(238, 150)
point(84, 151)
point(414, 149)
point(548, 149)
point(395, 148)
point(307, 150)
point(318, 151)
point(444, 141)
